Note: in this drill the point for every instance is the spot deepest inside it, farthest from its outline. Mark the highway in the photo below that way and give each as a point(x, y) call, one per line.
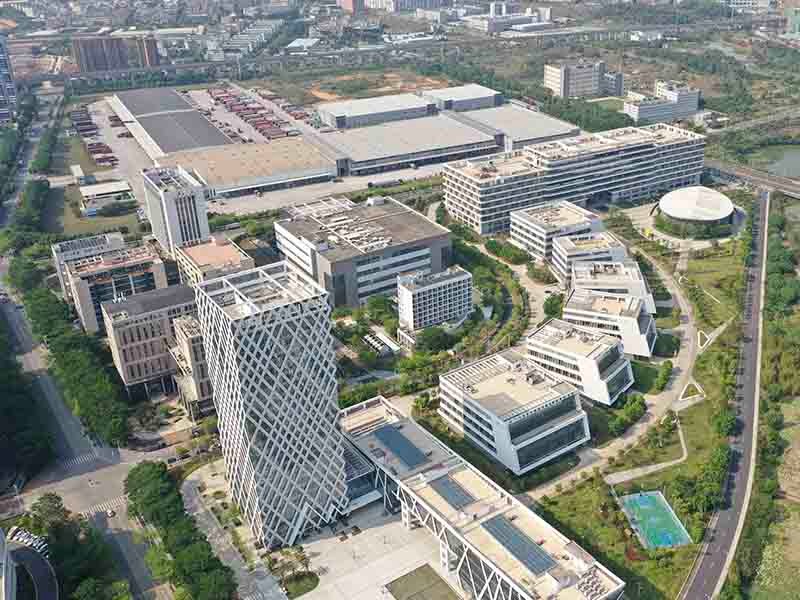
point(723, 532)
point(751, 123)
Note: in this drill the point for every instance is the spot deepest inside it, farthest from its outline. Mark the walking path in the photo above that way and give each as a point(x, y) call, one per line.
point(657, 404)
point(258, 583)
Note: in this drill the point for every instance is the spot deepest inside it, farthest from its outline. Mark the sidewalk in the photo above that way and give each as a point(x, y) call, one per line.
point(256, 584)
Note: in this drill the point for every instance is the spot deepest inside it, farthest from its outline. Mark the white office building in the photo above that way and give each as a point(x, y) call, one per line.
point(622, 277)
point(64, 252)
point(512, 411)
point(269, 349)
point(535, 228)
point(583, 80)
point(597, 246)
point(593, 362)
point(624, 317)
point(672, 101)
point(619, 165)
point(177, 207)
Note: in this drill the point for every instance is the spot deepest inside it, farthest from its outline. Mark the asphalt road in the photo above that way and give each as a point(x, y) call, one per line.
point(42, 574)
point(722, 530)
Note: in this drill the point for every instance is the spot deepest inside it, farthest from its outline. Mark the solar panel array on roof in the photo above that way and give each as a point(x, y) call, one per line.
point(523, 548)
point(452, 492)
point(400, 446)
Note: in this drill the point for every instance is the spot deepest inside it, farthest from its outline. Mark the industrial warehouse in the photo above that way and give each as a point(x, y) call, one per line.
point(240, 142)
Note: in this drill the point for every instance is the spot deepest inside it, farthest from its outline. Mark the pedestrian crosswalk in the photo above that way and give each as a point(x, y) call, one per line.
point(256, 595)
point(75, 461)
point(113, 504)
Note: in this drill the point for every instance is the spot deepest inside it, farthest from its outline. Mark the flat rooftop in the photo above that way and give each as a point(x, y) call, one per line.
point(656, 135)
point(505, 384)
point(461, 92)
point(217, 252)
point(102, 189)
point(401, 138)
point(557, 215)
point(368, 106)
point(259, 290)
point(417, 281)
point(89, 243)
point(588, 272)
point(522, 124)
point(114, 259)
point(560, 335)
point(512, 537)
point(147, 302)
point(497, 167)
point(575, 244)
point(176, 131)
point(618, 305)
point(341, 230)
point(153, 100)
point(243, 164)
point(170, 179)
point(423, 583)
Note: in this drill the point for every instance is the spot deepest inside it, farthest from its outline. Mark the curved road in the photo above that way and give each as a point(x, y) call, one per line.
point(722, 535)
point(39, 569)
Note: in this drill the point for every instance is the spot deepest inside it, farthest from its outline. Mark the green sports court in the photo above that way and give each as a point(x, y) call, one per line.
point(654, 521)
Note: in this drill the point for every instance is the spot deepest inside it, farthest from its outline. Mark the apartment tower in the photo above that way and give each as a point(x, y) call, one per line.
point(269, 349)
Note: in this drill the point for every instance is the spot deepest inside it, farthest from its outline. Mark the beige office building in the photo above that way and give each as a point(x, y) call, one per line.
point(140, 334)
point(192, 379)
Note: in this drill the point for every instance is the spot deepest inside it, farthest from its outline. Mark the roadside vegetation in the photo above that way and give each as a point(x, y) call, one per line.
point(188, 561)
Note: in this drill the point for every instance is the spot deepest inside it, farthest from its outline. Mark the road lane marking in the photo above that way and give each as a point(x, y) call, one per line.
point(112, 504)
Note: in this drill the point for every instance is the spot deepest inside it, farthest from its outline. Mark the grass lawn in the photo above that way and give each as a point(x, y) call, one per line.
point(777, 574)
point(610, 103)
point(60, 218)
point(668, 318)
point(300, 583)
point(644, 375)
point(492, 469)
point(642, 454)
point(589, 515)
point(717, 273)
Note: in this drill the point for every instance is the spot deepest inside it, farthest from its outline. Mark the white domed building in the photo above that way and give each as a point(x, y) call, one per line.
point(697, 205)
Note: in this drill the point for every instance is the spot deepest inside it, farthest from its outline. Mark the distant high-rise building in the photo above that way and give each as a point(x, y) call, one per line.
point(8, 90)
point(100, 53)
point(583, 80)
point(268, 344)
point(147, 49)
point(354, 7)
point(176, 205)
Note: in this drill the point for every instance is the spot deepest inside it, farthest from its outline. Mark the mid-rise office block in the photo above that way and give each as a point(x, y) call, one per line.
point(208, 260)
point(672, 101)
point(599, 246)
point(177, 207)
point(534, 229)
point(269, 347)
point(622, 277)
point(428, 300)
point(593, 362)
point(348, 114)
point(622, 164)
point(64, 252)
point(140, 333)
point(513, 412)
point(8, 89)
point(582, 80)
point(624, 317)
point(357, 251)
point(99, 53)
point(111, 276)
point(192, 377)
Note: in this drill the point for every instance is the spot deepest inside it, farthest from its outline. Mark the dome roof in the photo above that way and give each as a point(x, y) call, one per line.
point(696, 203)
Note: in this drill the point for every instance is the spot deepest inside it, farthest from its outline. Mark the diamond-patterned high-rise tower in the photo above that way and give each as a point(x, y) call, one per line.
point(268, 341)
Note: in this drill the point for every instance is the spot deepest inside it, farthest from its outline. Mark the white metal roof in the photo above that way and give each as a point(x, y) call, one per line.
point(696, 203)
point(107, 187)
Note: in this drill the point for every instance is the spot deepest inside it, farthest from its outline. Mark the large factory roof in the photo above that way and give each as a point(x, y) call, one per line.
point(400, 138)
point(153, 100)
point(513, 538)
point(461, 92)
point(243, 164)
point(341, 230)
point(184, 130)
point(369, 106)
point(522, 124)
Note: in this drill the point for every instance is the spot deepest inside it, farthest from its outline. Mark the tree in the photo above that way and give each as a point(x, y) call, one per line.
point(159, 563)
point(217, 584)
point(89, 589)
point(433, 339)
point(47, 512)
point(553, 305)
